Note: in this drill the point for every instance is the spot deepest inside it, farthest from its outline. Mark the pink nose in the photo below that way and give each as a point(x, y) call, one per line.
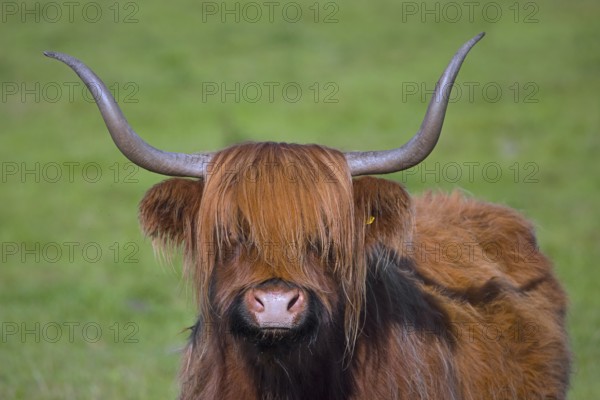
point(276, 306)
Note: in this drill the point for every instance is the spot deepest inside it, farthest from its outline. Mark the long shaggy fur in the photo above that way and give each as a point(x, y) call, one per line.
point(440, 297)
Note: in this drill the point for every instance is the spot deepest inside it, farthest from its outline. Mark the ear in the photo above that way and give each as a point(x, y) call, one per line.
point(169, 210)
point(384, 209)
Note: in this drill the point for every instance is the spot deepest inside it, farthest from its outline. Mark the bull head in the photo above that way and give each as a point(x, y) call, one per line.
point(317, 216)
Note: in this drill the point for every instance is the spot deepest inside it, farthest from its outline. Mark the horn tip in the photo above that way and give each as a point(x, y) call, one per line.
point(52, 54)
point(67, 59)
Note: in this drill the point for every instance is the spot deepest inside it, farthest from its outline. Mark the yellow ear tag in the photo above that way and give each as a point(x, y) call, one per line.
point(370, 220)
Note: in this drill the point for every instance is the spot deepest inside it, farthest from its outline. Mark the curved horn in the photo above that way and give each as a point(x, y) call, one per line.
point(131, 145)
point(419, 147)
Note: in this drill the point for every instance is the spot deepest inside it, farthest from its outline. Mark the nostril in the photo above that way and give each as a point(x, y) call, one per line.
point(257, 299)
point(254, 302)
point(258, 305)
point(293, 301)
point(296, 304)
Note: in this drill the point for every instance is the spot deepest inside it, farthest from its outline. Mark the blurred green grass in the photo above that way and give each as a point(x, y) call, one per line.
point(162, 60)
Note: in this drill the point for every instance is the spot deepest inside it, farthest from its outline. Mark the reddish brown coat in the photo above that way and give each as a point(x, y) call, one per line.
point(436, 297)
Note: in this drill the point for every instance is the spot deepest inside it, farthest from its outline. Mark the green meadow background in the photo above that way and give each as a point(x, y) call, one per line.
point(87, 312)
